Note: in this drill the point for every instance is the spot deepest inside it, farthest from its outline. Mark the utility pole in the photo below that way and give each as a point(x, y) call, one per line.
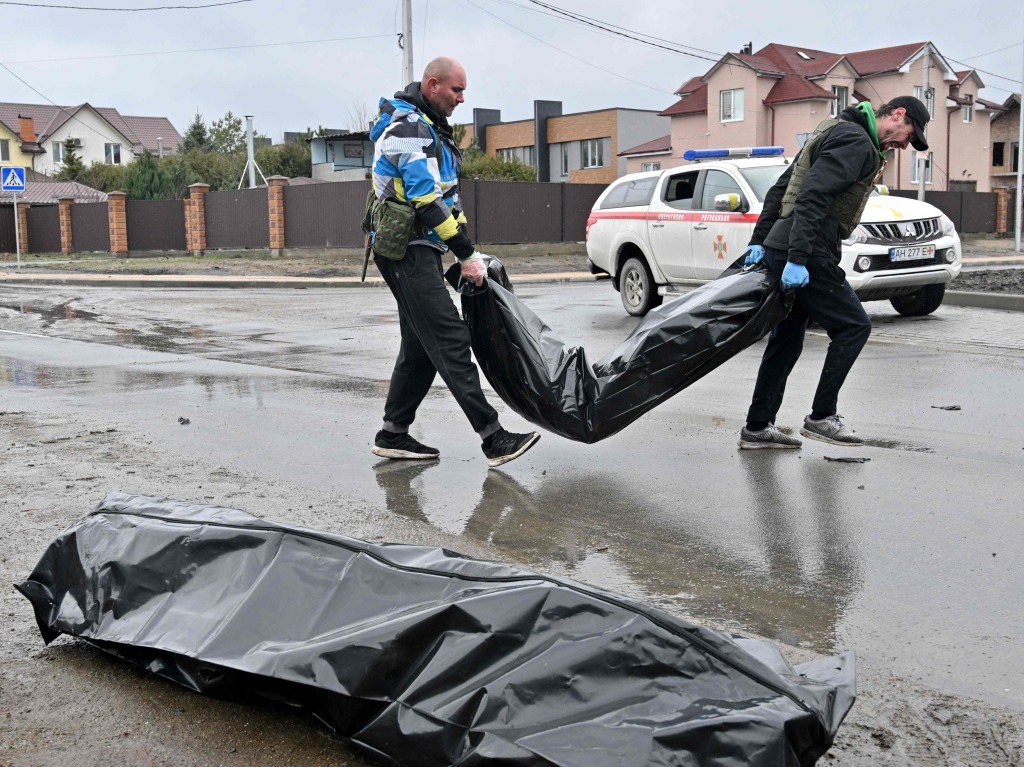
point(922, 157)
point(250, 153)
point(1020, 155)
point(408, 75)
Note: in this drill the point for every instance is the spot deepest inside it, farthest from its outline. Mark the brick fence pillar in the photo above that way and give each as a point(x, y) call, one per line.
point(275, 209)
point(118, 223)
point(195, 218)
point(66, 240)
point(22, 224)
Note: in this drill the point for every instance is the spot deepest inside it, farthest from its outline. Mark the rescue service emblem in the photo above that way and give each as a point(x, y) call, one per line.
point(721, 246)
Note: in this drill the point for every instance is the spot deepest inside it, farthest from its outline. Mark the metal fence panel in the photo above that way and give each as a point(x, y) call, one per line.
point(90, 227)
point(237, 219)
point(43, 229)
point(155, 224)
point(7, 242)
point(515, 211)
point(579, 199)
point(325, 215)
point(978, 212)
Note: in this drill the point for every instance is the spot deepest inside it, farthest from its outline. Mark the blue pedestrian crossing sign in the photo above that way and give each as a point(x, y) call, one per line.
point(13, 179)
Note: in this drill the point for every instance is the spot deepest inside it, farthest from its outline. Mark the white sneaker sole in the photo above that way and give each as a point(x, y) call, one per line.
point(822, 438)
point(766, 446)
point(492, 462)
point(385, 452)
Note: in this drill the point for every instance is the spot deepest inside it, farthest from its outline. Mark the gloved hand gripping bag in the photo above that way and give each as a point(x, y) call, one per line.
point(555, 387)
point(422, 657)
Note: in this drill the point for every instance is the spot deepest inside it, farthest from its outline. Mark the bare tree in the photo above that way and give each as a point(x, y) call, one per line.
point(359, 116)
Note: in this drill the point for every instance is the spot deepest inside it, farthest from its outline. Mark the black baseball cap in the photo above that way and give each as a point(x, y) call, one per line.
point(918, 114)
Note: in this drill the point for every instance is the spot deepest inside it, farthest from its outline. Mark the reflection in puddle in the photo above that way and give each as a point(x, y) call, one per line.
point(784, 570)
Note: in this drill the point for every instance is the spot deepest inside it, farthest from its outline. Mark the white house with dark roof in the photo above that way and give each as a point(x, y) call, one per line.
point(780, 93)
point(102, 134)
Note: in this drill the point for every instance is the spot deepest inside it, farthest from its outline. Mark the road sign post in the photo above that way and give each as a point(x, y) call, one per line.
point(13, 180)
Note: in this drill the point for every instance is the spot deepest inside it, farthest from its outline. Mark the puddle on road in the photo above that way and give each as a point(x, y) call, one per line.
point(51, 314)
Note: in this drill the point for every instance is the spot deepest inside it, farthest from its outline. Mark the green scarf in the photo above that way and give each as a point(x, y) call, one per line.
point(869, 112)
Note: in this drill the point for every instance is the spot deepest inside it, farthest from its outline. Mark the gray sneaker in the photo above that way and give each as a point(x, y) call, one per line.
point(831, 430)
point(769, 438)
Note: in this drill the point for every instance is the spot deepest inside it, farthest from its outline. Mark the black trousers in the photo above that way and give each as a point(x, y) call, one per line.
point(434, 340)
point(829, 300)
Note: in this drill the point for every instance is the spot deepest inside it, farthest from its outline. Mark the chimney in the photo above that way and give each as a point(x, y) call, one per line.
point(27, 129)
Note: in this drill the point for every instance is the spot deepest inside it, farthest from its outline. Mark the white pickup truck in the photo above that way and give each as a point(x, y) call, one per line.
point(656, 231)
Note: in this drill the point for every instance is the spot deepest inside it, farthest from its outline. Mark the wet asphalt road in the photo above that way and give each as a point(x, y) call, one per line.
point(912, 559)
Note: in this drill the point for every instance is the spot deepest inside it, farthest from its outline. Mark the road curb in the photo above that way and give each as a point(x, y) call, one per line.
point(1006, 301)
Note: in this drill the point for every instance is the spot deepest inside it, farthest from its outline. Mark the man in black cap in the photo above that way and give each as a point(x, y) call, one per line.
point(813, 206)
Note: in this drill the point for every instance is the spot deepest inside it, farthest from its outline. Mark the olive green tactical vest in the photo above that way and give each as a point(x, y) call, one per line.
point(847, 206)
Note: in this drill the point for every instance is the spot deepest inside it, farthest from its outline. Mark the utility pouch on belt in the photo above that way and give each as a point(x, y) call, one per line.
point(394, 225)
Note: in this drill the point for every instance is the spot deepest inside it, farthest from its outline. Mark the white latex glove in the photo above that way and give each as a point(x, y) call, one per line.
point(473, 269)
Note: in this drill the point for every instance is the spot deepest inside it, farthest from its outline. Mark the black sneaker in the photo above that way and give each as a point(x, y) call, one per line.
point(504, 446)
point(771, 437)
point(831, 430)
point(388, 444)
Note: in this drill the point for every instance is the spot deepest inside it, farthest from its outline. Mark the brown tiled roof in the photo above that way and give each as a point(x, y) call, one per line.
point(141, 132)
point(690, 86)
point(786, 59)
point(880, 60)
point(43, 192)
point(695, 102)
point(663, 144)
point(149, 129)
point(795, 88)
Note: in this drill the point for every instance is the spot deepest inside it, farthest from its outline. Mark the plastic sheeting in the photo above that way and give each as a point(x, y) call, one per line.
point(420, 656)
point(554, 386)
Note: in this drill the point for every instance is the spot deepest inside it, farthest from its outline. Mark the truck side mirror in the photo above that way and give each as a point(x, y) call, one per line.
point(730, 202)
point(881, 189)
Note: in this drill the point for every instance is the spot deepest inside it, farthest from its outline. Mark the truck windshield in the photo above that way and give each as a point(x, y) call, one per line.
point(762, 178)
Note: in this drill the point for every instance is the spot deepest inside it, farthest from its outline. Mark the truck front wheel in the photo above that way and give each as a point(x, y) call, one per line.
point(925, 301)
point(637, 289)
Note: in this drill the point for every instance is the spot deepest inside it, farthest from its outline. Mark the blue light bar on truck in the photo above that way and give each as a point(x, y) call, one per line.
point(752, 151)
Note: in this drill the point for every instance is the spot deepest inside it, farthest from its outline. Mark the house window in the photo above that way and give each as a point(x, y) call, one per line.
point(968, 111)
point(593, 153)
point(113, 152)
point(840, 99)
point(1014, 157)
point(523, 154)
point(998, 154)
point(914, 169)
point(565, 159)
point(650, 166)
point(927, 98)
point(5, 150)
point(731, 105)
point(57, 150)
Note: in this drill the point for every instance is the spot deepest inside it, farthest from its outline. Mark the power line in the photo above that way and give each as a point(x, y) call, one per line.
point(566, 53)
point(126, 10)
point(195, 50)
point(993, 74)
point(982, 55)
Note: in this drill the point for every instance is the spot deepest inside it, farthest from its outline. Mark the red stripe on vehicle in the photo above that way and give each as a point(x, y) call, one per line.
point(708, 217)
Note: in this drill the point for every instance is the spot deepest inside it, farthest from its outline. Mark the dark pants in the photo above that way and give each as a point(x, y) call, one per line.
point(829, 300)
point(434, 340)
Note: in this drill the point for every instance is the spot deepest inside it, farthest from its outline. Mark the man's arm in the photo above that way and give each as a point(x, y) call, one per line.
point(842, 158)
point(408, 146)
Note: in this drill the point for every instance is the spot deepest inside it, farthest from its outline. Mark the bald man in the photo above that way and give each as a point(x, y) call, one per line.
point(417, 164)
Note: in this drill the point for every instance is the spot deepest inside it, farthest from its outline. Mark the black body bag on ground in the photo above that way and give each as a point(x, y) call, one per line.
point(554, 386)
point(419, 656)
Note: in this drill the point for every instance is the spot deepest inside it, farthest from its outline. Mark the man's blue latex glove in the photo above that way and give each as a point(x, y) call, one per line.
point(754, 255)
point(794, 276)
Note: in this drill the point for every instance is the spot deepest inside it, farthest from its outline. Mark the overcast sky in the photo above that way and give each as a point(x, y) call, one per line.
point(305, 63)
